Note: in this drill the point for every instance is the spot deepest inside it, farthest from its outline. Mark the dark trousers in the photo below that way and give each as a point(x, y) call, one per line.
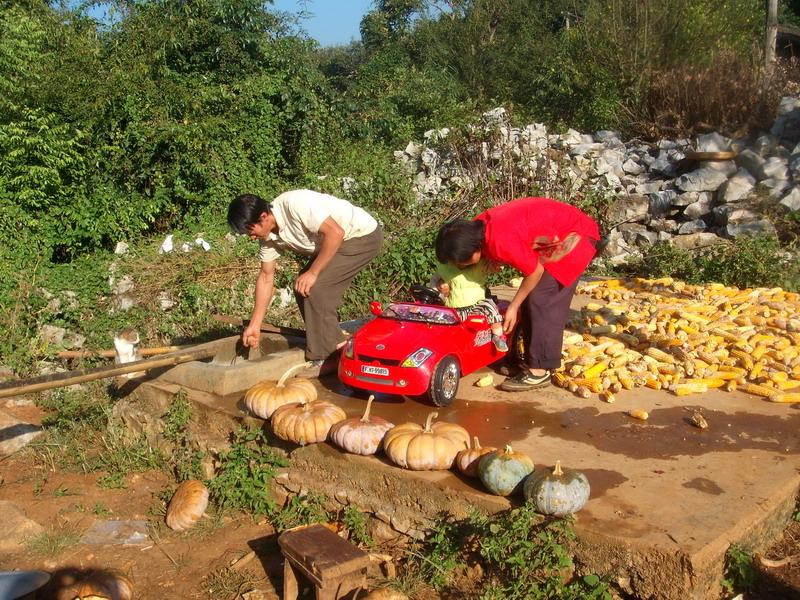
point(543, 316)
point(320, 308)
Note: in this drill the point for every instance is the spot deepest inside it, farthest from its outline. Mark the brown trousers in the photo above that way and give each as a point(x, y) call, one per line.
point(320, 308)
point(543, 316)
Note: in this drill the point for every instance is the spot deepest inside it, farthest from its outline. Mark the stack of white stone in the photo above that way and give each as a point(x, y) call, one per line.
point(655, 196)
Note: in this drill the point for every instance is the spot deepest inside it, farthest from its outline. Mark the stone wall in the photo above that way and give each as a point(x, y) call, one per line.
point(660, 191)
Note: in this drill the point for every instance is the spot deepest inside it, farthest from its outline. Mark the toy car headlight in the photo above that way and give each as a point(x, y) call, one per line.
point(417, 358)
point(349, 349)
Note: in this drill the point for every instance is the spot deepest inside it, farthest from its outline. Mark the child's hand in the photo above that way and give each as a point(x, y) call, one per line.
point(444, 288)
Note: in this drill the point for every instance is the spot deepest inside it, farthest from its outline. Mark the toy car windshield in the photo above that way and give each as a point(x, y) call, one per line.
point(425, 314)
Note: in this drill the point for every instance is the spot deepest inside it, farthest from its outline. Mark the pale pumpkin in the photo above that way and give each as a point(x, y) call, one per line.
point(558, 492)
point(306, 422)
point(360, 435)
point(187, 505)
point(96, 585)
point(263, 398)
point(467, 460)
point(503, 471)
point(426, 447)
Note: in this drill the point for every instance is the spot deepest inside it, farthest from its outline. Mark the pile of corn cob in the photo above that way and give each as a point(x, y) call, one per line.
point(666, 334)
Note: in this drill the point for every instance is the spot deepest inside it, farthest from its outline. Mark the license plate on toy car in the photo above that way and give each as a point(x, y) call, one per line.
point(370, 370)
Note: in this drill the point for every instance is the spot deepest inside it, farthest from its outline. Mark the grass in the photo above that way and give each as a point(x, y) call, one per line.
point(53, 542)
point(227, 584)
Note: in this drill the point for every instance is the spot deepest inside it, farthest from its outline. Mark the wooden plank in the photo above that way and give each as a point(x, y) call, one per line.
point(321, 552)
point(721, 155)
point(46, 382)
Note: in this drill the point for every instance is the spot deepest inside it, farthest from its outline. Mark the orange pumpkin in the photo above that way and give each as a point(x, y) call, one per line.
point(187, 505)
point(306, 422)
point(263, 398)
point(360, 436)
point(424, 448)
point(467, 460)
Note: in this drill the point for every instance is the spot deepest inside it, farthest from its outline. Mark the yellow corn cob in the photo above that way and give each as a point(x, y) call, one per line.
point(709, 382)
point(789, 384)
point(485, 381)
point(758, 390)
point(594, 385)
point(759, 351)
point(626, 382)
point(787, 397)
point(595, 370)
point(615, 387)
point(667, 369)
point(572, 338)
point(659, 355)
point(777, 376)
point(559, 379)
point(638, 413)
point(607, 397)
point(653, 383)
point(686, 388)
point(756, 370)
point(743, 358)
point(731, 385)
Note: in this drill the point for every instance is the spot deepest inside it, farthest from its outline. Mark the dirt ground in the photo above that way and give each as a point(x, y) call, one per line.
point(182, 565)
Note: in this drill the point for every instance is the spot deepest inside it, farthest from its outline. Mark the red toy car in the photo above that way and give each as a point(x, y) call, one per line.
point(418, 348)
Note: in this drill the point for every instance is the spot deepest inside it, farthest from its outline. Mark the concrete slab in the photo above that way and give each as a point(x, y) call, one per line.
point(667, 498)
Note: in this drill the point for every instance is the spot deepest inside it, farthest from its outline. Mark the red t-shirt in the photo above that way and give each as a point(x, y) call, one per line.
point(521, 233)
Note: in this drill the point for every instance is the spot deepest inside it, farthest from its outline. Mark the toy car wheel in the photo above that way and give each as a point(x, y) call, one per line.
point(444, 382)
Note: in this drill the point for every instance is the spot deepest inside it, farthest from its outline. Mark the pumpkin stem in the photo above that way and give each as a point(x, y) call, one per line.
point(557, 469)
point(476, 444)
point(291, 370)
point(428, 421)
point(508, 449)
point(365, 418)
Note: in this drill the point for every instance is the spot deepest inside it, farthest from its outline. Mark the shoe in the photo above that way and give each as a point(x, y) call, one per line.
point(319, 368)
point(500, 343)
point(525, 381)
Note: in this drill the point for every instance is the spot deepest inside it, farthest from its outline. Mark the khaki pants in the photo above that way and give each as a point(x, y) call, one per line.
point(320, 308)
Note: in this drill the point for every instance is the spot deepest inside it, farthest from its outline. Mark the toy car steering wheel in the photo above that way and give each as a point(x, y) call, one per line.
point(426, 295)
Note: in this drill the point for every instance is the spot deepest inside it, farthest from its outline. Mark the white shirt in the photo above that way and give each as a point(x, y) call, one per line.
point(299, 214)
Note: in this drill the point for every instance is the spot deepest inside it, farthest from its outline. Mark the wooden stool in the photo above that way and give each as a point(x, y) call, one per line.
point(334, 565)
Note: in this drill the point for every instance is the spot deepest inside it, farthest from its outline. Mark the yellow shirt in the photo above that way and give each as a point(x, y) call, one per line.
point(466, 285)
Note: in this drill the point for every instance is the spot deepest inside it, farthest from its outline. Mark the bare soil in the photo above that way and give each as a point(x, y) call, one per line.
point(182, 565)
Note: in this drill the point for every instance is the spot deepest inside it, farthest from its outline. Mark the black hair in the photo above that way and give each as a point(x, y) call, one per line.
point(458, 240)
point(245, 210)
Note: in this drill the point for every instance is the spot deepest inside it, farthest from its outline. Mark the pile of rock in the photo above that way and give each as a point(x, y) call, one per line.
point(661, 191)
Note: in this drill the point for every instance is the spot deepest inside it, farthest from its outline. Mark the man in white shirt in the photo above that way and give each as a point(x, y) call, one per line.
point(340, 239)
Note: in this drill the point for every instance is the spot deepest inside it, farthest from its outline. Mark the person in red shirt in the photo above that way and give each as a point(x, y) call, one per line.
point(551, 243)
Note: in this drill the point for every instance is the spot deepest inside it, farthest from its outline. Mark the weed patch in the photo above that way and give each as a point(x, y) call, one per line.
point(521, 554)
point(245, 473)
point(54, 542)
point(740, 572)
point(300, 510)
point(227, 584)
point(356, 522)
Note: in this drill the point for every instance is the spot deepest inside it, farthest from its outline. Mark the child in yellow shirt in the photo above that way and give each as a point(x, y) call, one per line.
point(465, 291)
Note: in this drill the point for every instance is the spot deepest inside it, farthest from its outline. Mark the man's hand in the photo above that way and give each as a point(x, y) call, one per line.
point(251, 336)
point(510, 319)
point(304, 283)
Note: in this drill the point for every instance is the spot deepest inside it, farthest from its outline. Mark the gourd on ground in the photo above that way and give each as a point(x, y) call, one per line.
point(361, 435)
point(95, 585)
point(467, 460)
point(264, 398)
point(306, 422)
point(187, 505)
point(432, 446)
point(558, 492)
point(503, 471)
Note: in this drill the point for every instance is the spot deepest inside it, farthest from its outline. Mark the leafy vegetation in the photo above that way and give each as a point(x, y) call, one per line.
point(521, 555)
point(740, 572)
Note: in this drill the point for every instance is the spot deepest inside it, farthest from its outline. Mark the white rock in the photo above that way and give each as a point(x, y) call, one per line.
point(713, 142)
point(166, 245)
point(776, 168)
point(791, 201)
point(632, 167)
point(696, 240)
point(725, 166)
point(699, 208)
point(694, 226)
point(738, 187)
point(186, 247)
point(752, 162)
point(760, 227)
point(203, 244)
point(121, 248)
point(701, 180)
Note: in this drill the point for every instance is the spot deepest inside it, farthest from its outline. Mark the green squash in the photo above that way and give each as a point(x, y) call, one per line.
point(503, 471)
point(560, 492)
